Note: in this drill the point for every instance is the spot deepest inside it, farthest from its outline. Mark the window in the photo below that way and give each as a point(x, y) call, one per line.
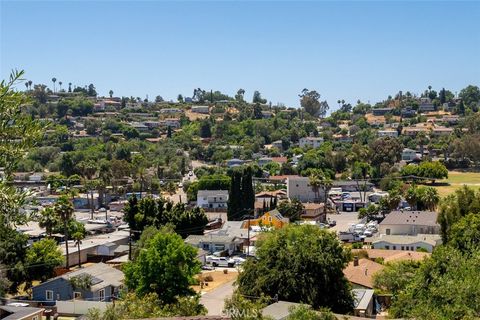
point(394, 247)
point(411, 248)
point(49, 295)
point(387, 247)
point(403, 248)
point(77, 295)
point(101, 294)
point(35, 318)
point(270, 219)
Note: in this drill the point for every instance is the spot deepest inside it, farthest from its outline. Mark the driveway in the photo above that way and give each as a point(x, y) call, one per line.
point(214, 300)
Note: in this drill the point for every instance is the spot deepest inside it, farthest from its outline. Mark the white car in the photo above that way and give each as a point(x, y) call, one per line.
point(238, 260)
point(221, 261)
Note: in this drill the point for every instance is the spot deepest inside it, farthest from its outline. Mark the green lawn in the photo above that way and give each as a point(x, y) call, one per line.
point(457, 179)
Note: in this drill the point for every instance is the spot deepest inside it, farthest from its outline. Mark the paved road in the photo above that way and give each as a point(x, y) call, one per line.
point(214, 300)
point(343, 220)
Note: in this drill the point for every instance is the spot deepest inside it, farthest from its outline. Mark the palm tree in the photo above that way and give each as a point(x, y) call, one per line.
point(48, 220)
point(430, 198)
point(30, 84)
point(54, 80)
point(315, 181)
point(110, 93)
point(69, 87)
point(60, 85)
point(64, 210)
point(327, 185)
point(78, 237)
point(26, 85)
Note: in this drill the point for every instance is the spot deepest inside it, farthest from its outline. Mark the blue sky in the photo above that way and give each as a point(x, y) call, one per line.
point(347, 50)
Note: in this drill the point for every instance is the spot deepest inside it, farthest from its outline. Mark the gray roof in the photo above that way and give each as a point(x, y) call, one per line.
point(195, 240)
point(418, 218)
point(210, 193)
point(232, 229)
point(103, 275)
point(431, 239)
point(19, 312)
point(279, 310)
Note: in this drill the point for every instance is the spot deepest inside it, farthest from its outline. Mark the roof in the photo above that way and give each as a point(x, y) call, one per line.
point(362, 298)
point(103, 275)
point(19, 312)
point(431, 239)
point(195, 240)
point(363, 273)
point(394, 255)
point(279, 310)
point(419, 218)
point(211, 193)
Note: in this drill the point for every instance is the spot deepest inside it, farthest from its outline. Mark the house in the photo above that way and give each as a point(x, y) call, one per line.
point(267, 114)
point(263, 161)
point(299, 188)
point(313, 142)
point(152, 124)
point(359, 272)
point(170, 111)
point(280, 160)
point(426, 242)
point(139, 126)
point(20, 313)
point(409, 223)
point(426, 107)
point(271, 218)
point(408, 112)
point(381, 111)
point(201, 109)
point(353, 186)
point(441, 131)
point(105, 283)
point(393, 255)
point(413, 131)
point(235, 162)
point(364, 301)
point(342, 138)
point(277, 144)
point(212, 199)
point(387, 133)
point(409, 155)
point(313, 212)
point(170, 122)
point(215, 243)
point(279, 310)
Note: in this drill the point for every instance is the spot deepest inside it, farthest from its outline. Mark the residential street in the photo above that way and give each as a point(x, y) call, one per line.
point(214, 299)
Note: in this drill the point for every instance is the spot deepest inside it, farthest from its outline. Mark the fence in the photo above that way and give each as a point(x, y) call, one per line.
point(78, 307)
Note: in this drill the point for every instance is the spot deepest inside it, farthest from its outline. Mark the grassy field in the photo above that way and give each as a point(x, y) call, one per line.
point(457, 179)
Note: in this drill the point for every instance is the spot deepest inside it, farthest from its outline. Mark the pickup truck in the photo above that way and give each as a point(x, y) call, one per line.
point(220, 261)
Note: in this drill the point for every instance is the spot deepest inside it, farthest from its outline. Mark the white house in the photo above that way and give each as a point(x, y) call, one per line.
point(407, 243)
point(409, 154)
point(212, 199)
point(409, 223)
point(201, 109)
point(299, 188)
point(313, 142)
point(387, 133)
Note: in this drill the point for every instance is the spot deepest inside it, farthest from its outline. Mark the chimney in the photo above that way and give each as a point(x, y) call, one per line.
point(355, 261)
point(366, 271)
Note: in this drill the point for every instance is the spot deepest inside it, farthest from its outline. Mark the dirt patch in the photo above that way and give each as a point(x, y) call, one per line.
point(219, 278)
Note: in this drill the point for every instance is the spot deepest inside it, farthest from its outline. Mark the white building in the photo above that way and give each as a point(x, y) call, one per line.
point(409, 154)
point(407, 243)
point(409, 223)
point(313, 142)
point(201, 109)
point(387, 133)
point(299, 188)
point(212, 199)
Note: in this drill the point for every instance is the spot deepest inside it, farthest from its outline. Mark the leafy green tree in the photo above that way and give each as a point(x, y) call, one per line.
point(205, 129)
point(299, 264)
point(291, 209)
point(234, 196)
point(470, 96)
point(385, 150)
point(310, 101)
point(370, 212)
point(395, 277)
point(78, 235)
point(465, 234)
point(239, 307)
point(49, 220)
point(257, 98)
point(42, 258)
point(432, 170)
point(304, 312)
point(13, 250)
point(166, 266)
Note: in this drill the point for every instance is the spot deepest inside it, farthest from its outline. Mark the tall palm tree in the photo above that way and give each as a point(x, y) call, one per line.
point(69, 87)
point(327, 185)
point(110, 93)
point(64, 210)
point(26, 84)
point(54, 80)
point(48, 220)
point(30, 84)
point(315, 181)
point(78, 237)
point(60, 85)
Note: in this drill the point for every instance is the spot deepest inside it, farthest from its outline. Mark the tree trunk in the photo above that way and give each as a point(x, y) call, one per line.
point(79, 255)
point(65, 231)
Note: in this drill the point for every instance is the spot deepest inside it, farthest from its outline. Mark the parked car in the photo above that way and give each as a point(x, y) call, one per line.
point(238, 260)
point(220, 261)
point(332, 223)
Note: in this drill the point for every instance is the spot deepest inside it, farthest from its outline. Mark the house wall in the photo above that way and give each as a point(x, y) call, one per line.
point(266, 220)
point(404, 229)
point(385, 244)
point(299, 188)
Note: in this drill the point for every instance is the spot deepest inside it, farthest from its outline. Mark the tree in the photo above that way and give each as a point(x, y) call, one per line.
point(234, 196)
point(64, 209)
point(69, 87)
point(239, 95)
point(395, 277)
point(291, 209)
point(257, 98)
point(54, 80)
point(370, 212)
point(315, 181)
point(166, 266)
point(304, 312)
point(385, 150)
point(78, 236)
point(49, 220)
point(470, 96)
point(299, 264)
point(446, 286)
point(310, 101)
point(169, 132)
point(465, 234)
point(239, 307)
point(180, 98)
point(432, 170)
point(42, 258)
point(110, 93)
point(205, 129)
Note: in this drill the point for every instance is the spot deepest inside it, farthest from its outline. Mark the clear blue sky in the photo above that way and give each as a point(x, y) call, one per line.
point(350, 50)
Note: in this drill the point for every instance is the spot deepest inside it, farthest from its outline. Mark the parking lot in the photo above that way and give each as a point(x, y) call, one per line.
point(344, 220)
